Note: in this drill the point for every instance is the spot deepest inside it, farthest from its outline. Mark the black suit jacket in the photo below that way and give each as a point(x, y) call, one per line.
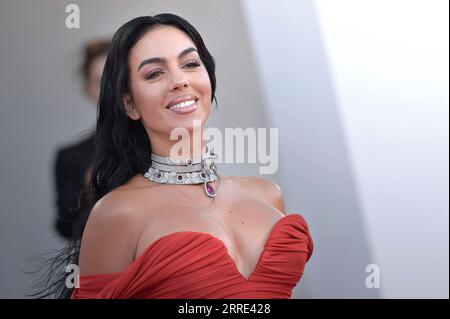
point(70, 170)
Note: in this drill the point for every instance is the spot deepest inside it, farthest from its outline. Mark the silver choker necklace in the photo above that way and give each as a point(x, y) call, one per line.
point(198, 170)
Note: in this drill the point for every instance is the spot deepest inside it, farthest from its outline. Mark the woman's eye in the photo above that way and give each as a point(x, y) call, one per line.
point(192, 64)
point(153, 75)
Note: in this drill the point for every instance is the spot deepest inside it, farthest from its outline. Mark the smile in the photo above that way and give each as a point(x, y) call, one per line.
point(184, 107)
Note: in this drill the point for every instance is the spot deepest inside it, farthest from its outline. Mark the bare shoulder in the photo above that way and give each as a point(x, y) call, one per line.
point(110, 235)
point(266, 190)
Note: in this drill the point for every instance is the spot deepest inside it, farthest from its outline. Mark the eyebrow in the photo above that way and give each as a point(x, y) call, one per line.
point(162, 60)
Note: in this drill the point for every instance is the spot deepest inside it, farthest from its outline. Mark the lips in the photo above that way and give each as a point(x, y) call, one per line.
point(180, 99)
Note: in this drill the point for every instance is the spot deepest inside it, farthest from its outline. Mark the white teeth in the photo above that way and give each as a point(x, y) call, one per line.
point(183, 104)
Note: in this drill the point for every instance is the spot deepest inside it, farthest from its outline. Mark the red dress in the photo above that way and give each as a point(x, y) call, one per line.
point(196, 265)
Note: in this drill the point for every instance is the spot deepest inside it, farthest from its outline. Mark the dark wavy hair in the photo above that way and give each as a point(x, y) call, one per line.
point(122, 145)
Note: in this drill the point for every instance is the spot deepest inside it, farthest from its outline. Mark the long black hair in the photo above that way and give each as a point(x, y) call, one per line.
point(122, 145)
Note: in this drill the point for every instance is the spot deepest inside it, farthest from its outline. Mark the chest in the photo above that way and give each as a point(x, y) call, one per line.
point(242, 223)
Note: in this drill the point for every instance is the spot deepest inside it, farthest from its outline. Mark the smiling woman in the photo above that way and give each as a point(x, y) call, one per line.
point(167, 79)
point(161, 227)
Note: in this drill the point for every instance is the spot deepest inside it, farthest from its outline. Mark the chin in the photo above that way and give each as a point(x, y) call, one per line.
point(189, 124)
point(187, 120)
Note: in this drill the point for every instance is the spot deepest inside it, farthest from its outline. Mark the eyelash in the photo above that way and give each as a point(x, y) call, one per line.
point(191, 64)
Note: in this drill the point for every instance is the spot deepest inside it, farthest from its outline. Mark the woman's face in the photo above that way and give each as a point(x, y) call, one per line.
point(166, 70)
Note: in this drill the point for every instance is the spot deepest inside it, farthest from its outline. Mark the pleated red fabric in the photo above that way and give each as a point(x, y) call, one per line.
point(196, 265)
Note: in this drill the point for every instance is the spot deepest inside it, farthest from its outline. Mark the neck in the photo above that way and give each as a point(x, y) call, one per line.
point(178, 150)
point(195, 166)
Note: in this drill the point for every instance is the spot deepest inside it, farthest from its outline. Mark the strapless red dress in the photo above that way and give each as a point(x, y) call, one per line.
point(196, 265)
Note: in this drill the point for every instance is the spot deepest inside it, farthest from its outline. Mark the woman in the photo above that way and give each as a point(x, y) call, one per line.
point(73, 163)
point(167, 226)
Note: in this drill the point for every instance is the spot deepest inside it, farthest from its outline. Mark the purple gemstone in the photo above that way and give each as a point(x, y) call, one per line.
point(209, 189)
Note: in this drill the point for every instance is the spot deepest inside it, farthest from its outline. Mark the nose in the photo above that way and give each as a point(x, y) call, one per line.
point(179, 82)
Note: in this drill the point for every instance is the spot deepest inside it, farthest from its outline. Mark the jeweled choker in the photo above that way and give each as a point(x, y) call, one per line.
point(187, 171)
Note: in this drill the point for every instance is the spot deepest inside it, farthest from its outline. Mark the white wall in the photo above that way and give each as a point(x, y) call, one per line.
point(366, 83)
point(315, 169)
point(389, 63)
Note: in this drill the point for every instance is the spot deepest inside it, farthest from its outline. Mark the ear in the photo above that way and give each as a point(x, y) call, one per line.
point(130, 108)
